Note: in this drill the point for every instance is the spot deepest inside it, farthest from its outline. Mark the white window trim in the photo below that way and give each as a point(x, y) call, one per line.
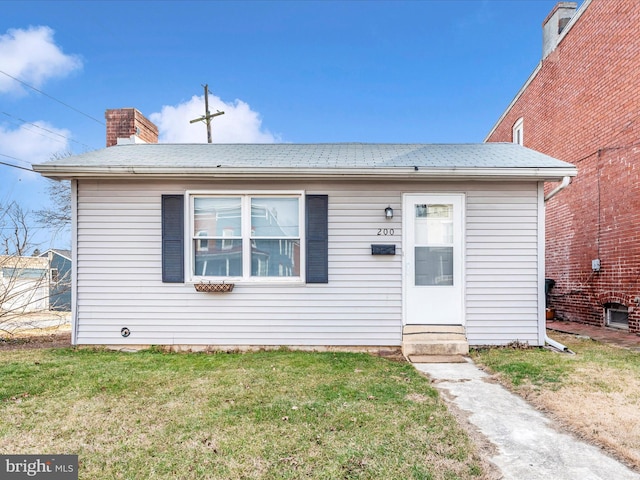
point(518, 131)
point(191, 277)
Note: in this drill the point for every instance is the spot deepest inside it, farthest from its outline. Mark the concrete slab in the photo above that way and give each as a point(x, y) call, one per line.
point(437, 359)
point(32, 320)
point(528, 445)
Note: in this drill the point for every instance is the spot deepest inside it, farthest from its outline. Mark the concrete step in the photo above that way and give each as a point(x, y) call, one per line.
point(432, 337)
point(439, 340)
point(436, 348)
point(412, 329)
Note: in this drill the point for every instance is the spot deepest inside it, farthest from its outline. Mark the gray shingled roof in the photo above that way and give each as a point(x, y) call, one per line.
point(153, 159)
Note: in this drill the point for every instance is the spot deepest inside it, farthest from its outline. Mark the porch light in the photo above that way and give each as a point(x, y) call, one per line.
point(388, 212)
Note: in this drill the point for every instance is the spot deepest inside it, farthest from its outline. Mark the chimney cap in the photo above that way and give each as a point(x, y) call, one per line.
point(554, 25)
point(560, 5)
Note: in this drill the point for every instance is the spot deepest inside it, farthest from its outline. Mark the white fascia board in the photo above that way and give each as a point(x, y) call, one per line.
point(409, 173)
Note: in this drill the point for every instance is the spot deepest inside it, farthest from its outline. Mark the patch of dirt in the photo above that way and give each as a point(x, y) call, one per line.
point(393, 354)
point(609, 419)
point(36, 339)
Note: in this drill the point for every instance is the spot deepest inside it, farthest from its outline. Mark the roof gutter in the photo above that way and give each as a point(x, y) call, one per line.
point(406, 173)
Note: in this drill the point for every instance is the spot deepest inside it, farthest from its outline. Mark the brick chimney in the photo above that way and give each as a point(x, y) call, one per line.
point(554, 24)
point(128, 125)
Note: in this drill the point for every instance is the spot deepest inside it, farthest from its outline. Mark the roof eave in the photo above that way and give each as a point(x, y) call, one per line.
point(398, 173)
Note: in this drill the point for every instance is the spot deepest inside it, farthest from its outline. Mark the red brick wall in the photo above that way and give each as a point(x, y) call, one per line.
point(584, 107)
point(124, 122)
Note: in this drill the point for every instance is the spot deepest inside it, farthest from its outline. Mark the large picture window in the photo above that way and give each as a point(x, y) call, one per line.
point(246, 236)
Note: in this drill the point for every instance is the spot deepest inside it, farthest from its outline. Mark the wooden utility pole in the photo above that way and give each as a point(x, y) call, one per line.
point(206, 118)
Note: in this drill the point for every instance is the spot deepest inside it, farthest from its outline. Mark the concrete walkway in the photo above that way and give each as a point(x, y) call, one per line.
point(528, 445)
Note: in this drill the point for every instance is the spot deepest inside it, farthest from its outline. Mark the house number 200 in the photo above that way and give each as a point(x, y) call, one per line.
point(386, 232)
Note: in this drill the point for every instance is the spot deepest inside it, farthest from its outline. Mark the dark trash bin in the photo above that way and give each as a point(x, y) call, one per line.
point(548, 285)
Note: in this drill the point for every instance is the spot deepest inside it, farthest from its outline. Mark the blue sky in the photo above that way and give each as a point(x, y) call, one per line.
point(292, 71)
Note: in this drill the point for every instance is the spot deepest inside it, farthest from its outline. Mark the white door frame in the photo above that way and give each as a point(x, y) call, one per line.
point(408, 246)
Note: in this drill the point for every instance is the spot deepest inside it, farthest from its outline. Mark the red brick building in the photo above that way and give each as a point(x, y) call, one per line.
point(582, 105)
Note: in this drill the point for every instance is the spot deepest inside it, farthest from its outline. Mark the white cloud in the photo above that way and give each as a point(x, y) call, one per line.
point(32, 56)
point(239, 124)
point(29, 144)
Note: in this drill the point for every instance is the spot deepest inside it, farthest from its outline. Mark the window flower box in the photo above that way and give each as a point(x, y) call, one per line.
point(208, 287)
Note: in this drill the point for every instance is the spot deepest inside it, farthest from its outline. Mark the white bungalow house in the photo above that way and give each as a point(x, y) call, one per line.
point(342, 245)
point(431, 248)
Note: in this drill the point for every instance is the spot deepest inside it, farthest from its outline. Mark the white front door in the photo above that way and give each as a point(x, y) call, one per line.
point(433, 263)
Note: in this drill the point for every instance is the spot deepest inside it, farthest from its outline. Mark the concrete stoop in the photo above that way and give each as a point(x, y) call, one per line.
point(434, 343)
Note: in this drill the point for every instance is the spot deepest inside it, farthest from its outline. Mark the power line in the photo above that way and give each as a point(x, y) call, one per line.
point(46, 130)
point(53, 98)
point(15, 166)
point(16, 159)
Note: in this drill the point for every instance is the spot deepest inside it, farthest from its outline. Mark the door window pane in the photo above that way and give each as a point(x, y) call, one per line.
point(434, 224)
point(434, 265)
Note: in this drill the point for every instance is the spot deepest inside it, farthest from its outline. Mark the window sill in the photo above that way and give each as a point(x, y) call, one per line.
point(271, 282)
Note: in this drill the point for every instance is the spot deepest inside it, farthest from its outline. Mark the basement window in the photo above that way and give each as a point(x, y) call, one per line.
point(616, 315)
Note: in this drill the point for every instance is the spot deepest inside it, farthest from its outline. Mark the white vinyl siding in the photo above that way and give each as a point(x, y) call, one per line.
point(502, 265)
point(119, 270)
point(119, 279)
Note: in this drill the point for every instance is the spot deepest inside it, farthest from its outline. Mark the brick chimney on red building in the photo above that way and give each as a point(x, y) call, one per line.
point(128, 125)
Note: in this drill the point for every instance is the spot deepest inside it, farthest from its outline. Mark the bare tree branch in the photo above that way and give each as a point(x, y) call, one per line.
point(14, 230)
point(58, 215)
point(25, 283)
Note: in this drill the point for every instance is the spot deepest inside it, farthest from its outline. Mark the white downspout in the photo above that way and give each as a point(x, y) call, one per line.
point(557, 345)
point(564, 184)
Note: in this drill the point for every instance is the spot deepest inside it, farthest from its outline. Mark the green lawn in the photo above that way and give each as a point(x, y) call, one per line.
point(544, 368)
point(268, 415)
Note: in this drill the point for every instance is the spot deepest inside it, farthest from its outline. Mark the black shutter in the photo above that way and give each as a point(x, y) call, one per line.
point(317, 232)
point(173, 238)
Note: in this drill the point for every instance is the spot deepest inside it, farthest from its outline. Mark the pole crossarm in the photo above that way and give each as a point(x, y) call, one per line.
point(206, 118)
